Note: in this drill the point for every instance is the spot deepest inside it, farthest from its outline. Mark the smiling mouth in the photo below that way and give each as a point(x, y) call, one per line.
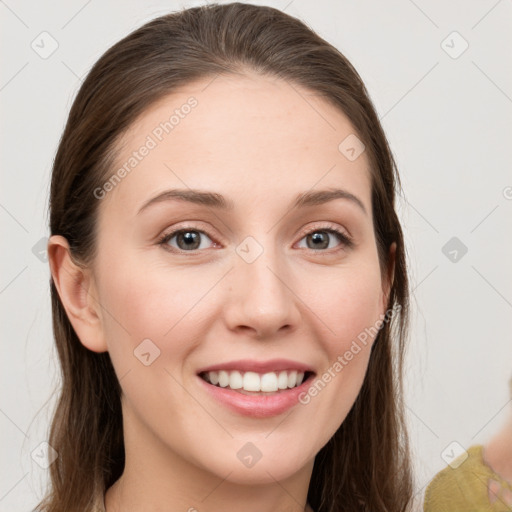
point(253, 383)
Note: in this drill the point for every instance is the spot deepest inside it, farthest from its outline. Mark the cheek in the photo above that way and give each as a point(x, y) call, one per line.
point(151, 329)
point(142, 303)
point(349, 309)
point(348, 303)
point(142, 295)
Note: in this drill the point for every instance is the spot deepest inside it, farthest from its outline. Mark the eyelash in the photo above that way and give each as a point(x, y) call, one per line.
point(346, 241)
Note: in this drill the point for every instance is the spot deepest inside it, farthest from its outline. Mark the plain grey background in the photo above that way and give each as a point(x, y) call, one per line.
point(439, 75)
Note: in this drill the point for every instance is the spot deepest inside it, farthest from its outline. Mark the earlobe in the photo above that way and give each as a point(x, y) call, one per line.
point(75, 287)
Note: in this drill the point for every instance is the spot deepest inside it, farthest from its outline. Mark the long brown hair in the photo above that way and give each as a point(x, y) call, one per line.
point(366, 464)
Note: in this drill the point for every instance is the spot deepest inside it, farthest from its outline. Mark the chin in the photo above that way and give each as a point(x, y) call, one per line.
point(265, 467)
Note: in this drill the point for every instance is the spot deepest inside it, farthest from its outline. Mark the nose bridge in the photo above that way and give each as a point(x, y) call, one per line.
point(263, 299)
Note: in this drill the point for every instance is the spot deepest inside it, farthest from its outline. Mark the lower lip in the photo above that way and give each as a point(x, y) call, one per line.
point(257, 406)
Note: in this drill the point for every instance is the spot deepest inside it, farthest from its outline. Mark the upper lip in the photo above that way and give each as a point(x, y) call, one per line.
point(250, 365)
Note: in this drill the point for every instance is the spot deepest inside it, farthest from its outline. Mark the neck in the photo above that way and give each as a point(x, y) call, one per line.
point(157, 478)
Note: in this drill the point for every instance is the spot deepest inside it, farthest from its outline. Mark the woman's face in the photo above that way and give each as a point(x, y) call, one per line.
point(251, 280)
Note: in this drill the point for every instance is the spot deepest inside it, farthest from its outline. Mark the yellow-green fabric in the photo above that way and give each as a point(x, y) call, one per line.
point(471, 487)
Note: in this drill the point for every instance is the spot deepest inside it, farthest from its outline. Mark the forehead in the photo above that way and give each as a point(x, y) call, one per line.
point(251, 137)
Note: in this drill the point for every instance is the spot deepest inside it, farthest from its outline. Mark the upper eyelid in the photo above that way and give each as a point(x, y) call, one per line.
point(325, 226)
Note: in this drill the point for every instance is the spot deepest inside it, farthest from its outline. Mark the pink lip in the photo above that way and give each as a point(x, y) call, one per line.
point(249, 365)
point(257, 406)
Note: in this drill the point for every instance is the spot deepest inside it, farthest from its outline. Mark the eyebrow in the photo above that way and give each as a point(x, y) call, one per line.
point(215, 200)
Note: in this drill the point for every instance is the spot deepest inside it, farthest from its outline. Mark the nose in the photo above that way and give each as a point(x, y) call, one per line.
point(261, 298)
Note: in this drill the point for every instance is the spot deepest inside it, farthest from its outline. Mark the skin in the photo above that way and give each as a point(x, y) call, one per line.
point(498, 451)
point(260, 143)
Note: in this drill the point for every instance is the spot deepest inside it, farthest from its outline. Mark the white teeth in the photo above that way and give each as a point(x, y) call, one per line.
point(223, 379)
point(282, 380)
point(251, 381)
point(269, 382)
point(236, 380)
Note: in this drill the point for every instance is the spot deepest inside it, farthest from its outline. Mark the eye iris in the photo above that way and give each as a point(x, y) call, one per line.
point(320, 239)
point(190, 238)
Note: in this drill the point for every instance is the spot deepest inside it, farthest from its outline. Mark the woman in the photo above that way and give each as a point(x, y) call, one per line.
point(229, 282)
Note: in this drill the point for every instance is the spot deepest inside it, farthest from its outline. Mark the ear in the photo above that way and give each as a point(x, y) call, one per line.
point(389, 278)
point(77, 293)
